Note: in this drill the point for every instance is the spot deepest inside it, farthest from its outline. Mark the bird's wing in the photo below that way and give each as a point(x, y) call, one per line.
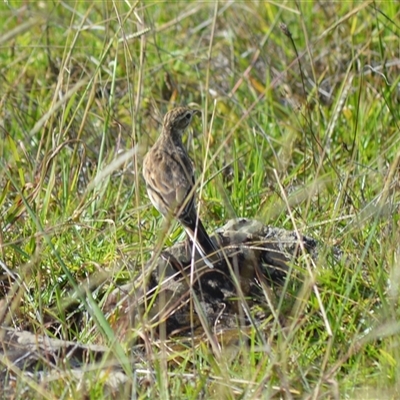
point(170, 180)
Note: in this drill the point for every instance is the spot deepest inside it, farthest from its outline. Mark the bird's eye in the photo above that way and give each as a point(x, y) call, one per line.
point(188, 115)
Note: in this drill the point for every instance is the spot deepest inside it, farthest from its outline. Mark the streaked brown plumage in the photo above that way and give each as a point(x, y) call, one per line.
point(168, 172)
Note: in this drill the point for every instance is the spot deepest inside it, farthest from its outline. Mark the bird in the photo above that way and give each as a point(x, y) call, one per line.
point(169, 175)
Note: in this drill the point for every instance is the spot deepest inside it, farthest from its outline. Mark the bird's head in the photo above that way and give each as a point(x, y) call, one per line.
point(178, 119)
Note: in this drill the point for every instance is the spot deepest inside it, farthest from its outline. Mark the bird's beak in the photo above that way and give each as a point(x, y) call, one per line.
point(196, 112)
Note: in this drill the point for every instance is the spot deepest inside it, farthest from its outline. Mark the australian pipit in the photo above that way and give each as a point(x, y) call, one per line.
point(168, 172)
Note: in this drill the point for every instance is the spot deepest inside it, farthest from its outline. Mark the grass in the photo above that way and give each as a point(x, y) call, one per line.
point(300, 130)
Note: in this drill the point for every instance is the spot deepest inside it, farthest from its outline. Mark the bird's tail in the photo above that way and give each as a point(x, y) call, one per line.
point(203, 243)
